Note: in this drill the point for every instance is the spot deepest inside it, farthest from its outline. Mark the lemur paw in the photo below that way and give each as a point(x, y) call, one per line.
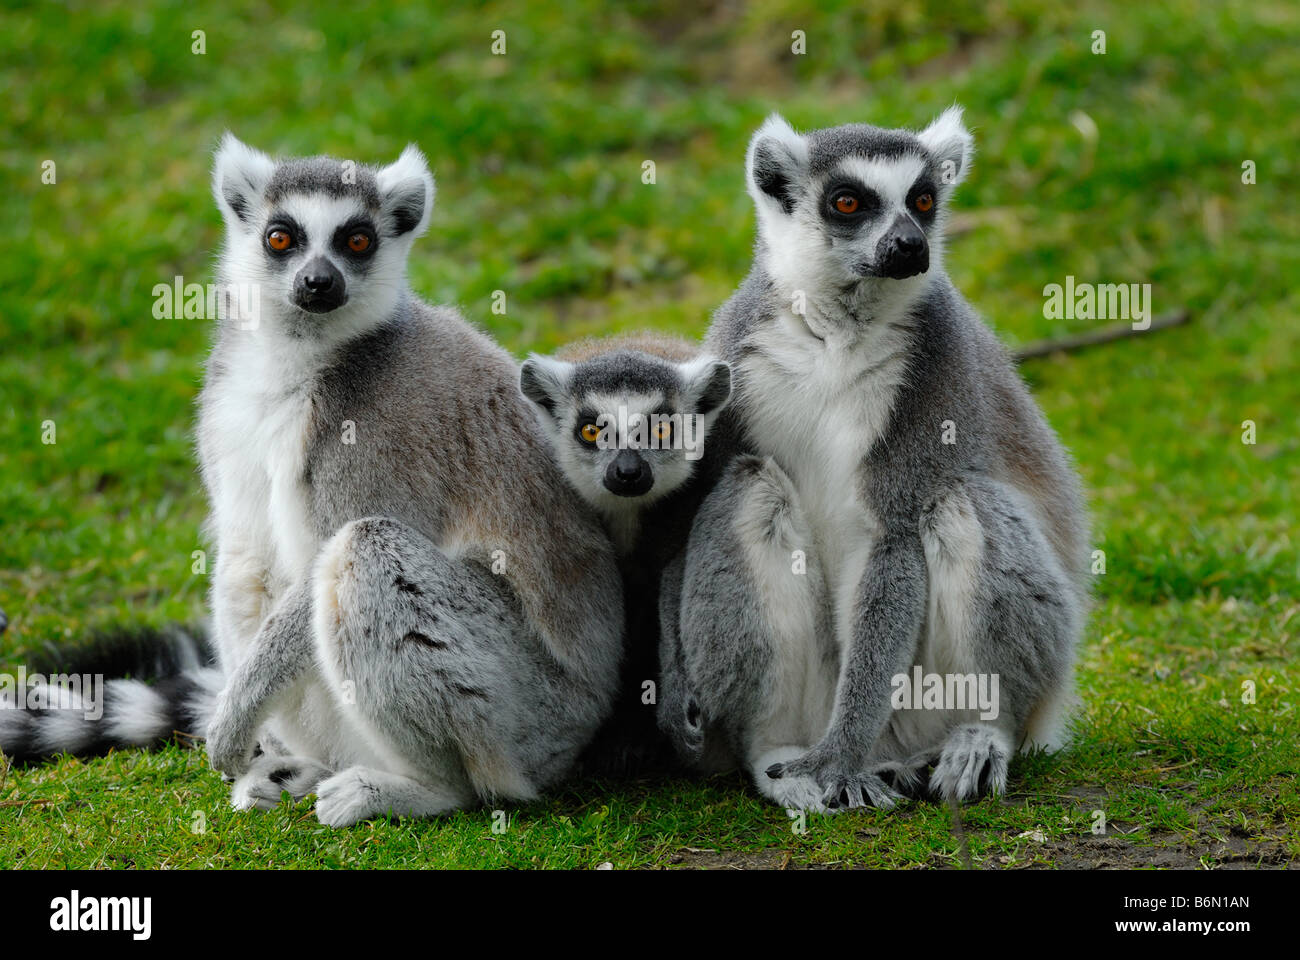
point(840, 789)
point(855, 791)
point(692, 729)
point(347, 798)
point(230, 740)
point(973, 762)
point(261, 787)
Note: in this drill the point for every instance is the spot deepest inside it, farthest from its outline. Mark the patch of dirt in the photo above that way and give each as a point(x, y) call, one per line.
point(1116, 853)
point(1166, 851)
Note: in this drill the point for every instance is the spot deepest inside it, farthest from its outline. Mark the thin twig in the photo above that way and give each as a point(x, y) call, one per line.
point(1091, 338)
point(963, 848)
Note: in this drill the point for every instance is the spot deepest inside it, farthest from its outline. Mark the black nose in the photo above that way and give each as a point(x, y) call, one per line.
point(629, 475)
point(903, 252)
point(319, 287)
point(909, 244)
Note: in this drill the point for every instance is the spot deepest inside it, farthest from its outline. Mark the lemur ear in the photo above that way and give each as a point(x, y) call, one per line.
point(239, 175)
point(406, 193)
point(777, 160)
point(952, 146)
point(708, 384)
point(543, 380)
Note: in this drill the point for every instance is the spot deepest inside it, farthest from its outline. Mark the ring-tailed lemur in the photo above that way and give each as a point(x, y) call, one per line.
point(627, 417)
point(906, 505)
point(409, 602)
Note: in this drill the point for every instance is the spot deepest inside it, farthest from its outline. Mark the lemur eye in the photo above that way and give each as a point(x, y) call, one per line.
point(589, 432)
point(358, 243)
point(663, 430)
point(279, 240)
point(846, 203)
point(924, 202)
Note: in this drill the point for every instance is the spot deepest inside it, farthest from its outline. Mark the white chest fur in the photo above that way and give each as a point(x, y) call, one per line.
point(256, 431)
point(816, 405)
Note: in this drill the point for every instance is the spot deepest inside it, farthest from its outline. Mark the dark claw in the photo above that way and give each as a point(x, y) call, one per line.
point(775, 770)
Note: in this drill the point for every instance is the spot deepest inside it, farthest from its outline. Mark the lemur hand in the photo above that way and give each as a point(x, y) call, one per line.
point(846, 783)
point(232, 738)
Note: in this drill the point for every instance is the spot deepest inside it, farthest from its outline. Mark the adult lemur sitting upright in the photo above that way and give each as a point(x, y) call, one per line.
point(907, 504)
point(412, 610)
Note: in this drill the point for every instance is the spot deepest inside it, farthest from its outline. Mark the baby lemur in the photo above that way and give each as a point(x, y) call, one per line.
point(903, 502)
point(627, 417)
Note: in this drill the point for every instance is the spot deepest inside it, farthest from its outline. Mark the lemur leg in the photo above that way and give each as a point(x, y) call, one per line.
point(755, 645)
point(999, 606)
point(678, 713)
point(363, 793)
point(435, 661)
point(240, 603)
point(281, 653)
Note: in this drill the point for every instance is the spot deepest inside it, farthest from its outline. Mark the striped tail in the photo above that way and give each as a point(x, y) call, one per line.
point(106, 703)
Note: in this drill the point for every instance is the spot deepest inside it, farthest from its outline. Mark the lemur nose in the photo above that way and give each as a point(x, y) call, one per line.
point(909, 242)
point(318, 282)
point(627, 469)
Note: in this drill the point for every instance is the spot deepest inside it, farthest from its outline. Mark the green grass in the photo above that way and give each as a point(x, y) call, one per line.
point(538, 156)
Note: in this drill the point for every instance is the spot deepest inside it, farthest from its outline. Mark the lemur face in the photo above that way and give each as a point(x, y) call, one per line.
point(845, 204)
point(325, 241)
point(627, 427)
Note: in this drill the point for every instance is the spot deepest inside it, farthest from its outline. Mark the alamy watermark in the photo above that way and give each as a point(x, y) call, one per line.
point(946, 691)
point(1098, 301)
point(238, 303)
point(655, 431)
point(83, 692)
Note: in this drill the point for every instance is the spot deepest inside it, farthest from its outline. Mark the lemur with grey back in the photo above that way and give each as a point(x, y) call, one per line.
point(901, 502)
point(413, 612)
point(627, 417)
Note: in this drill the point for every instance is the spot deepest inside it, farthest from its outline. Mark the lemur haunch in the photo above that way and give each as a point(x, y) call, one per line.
point(899, 458)
point(412, 610)
point(627, 417)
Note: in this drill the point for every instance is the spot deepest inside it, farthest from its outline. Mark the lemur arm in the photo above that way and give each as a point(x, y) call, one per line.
point(888, 617)
point(282, 651)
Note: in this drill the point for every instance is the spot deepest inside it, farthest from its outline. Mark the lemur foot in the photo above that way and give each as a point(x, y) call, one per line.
point(360, 793)
point(270, 776)
point(840, 788)
point(792, 792)
point(973, 762)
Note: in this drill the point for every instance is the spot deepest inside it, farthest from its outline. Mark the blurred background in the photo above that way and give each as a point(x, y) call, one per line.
point(1122, 167)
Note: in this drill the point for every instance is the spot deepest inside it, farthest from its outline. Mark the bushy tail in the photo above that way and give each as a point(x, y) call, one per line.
point(105, 703)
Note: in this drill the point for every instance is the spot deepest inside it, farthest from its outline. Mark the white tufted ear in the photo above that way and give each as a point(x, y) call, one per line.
point(775, 164)
point(951, 144)
point(544, 381)
point(406, 193)
point(708, 384)
point(239, 175)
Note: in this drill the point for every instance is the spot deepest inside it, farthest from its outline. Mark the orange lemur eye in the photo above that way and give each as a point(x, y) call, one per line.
point(924, 202)
point(663, 429)
point(589, 432)
point(358, 243)
point(279, 240)
point(846, 203)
